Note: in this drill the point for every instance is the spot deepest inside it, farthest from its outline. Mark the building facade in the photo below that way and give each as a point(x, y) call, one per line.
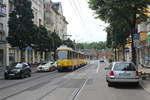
point(54, 19)
point(8, 54)
point(3, 32)
point(143, 47)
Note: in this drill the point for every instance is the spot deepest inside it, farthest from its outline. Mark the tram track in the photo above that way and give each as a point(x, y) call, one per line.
point(42, 83)
point(78, 91)
point(26, 80)
point(29, 88)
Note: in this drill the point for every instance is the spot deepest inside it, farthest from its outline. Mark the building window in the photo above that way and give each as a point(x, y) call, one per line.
point(1, 56)
point(11, 6)
point(1, 26)
point(40, 22)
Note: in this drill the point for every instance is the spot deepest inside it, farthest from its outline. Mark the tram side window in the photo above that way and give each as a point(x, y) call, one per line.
point(62, 55)
point(69, 55)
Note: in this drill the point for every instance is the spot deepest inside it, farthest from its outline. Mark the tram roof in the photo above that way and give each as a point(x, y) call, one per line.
point(64, 47)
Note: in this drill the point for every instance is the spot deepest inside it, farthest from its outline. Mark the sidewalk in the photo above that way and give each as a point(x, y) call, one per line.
point(145, 74)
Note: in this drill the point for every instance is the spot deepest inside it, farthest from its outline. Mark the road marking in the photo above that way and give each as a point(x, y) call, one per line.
point(76, 96)
point(97, 68)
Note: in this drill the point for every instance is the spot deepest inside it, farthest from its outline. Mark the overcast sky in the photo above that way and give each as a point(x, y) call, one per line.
point(82, 25)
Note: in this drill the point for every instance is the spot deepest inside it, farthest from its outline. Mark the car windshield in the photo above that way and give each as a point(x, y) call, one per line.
point(124, 67)
point(47, 64)
point(62, 54)
point(17, 66)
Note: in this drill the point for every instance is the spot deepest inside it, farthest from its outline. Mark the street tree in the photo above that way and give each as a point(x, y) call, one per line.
point(20, 24)
point(93, 45)
point(56, 42)
point(117, 34)
point(42, 40)
point(79, 45)
point(69, 43)
point(132, 11)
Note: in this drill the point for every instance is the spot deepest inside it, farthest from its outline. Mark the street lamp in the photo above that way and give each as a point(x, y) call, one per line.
point(66, 36)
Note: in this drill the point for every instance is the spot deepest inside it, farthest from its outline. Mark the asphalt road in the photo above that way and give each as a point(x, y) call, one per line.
point(86, 83)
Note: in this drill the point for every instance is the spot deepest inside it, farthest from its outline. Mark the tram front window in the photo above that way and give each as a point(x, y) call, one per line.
point(62, 54)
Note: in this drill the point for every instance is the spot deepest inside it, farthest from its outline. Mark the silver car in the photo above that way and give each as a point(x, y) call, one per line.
point(120, 72)
point(46, 67)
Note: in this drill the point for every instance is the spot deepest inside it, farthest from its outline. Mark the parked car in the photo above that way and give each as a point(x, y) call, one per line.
point(55, 64)
point(46, 66)
point(122, 72)
point(17, 70)
point(102, 60)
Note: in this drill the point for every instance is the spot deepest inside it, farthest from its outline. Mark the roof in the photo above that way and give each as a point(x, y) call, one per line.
point(64, 47)
point(55, 7)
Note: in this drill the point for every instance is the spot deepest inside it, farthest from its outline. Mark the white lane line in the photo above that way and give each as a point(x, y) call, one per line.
point(97, 70)
point(76, 96)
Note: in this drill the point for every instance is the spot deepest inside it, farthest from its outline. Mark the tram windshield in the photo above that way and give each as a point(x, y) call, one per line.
point(62, 54)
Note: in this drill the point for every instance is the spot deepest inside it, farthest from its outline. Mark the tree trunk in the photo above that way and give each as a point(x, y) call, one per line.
point(54, 55)
point(123, 52)
point(21, 53)
point(115, 55)
point(118, 55)
point(133, 30)
point(133, 51)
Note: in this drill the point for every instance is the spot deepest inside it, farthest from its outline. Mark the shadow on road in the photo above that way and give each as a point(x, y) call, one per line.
point(127, 86)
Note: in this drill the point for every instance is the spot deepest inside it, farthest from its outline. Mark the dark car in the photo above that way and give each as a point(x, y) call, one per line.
point(101, 60)
point(18, 70)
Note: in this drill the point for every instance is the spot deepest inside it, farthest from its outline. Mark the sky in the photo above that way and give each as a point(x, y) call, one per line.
point(82, 23)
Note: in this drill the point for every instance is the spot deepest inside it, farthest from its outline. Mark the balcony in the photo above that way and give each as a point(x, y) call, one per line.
point(2, 9)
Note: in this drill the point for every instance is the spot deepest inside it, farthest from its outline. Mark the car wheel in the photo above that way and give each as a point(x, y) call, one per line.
point(22, 76)
point(29, 74)
point(50, 69)
point(59, 70)
point(6, 77)
point(137, 83)
point(109, 84)
point(106, 79)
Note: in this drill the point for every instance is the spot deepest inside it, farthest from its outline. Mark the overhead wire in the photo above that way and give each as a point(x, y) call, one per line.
point(82, 17)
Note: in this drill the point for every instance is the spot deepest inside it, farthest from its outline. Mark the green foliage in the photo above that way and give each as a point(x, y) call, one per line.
point(106, 9)
point(93, 45)
point(123, 15)
point(56, 41)
point(42, 41)
point(20, 24)
point(69, 43)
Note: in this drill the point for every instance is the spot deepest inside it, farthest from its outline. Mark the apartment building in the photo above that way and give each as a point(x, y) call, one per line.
point(3, 31)
point(8, 54)
point(54, 19)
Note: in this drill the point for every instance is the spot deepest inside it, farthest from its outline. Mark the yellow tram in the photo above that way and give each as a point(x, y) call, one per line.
point(69, 59)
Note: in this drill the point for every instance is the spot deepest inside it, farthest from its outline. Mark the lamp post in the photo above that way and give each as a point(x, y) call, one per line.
point(66, 36)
